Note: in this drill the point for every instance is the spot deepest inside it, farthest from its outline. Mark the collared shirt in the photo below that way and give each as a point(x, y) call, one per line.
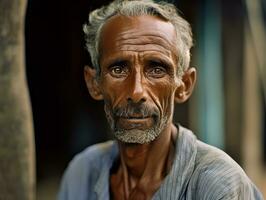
point(199, 172)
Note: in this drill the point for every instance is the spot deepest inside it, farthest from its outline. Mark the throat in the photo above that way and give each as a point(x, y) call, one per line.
point(141, 168)
point(134, 158)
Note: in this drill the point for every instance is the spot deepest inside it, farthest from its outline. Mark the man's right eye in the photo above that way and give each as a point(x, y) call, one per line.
point(118, 71)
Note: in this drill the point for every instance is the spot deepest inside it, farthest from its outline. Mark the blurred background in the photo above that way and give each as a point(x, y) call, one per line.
point(227, 108)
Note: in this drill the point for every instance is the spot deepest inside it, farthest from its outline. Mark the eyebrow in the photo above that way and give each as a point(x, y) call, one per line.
point(115, 60)
point(161, 58)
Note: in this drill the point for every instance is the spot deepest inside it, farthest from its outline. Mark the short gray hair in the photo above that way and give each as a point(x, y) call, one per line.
point(166, 11)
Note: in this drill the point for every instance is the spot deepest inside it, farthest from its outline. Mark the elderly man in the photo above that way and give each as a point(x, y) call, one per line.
point(140, 51)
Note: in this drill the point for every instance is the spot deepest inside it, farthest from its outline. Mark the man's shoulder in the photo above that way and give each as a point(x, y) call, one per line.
point(83, 171)
point(217, 175)
point(94, 155)
point(206, 156)
point(210, 157)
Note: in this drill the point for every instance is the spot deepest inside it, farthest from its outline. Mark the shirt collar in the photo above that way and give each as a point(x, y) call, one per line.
point(175, 183)
point(102, 184)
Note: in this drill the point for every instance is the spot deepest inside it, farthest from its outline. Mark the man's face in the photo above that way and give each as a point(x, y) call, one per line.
point(138, 76)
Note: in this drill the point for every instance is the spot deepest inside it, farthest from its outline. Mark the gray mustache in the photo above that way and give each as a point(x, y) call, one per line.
point(133, 110)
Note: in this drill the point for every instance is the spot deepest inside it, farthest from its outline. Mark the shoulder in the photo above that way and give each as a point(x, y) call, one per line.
point(94, 155)
point(84, 169)
point(95, 152)
point(218, 176)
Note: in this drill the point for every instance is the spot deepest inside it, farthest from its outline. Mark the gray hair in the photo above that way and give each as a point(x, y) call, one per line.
point(166, 11)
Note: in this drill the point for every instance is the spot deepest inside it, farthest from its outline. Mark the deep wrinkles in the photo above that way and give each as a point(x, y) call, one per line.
point(147, 47)
point(157, 37)
point(133, 38)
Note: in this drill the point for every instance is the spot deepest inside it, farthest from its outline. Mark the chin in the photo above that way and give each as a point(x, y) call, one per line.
point(137, 136)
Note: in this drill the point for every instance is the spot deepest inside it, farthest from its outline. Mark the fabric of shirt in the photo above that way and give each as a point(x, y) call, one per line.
point(199, 172)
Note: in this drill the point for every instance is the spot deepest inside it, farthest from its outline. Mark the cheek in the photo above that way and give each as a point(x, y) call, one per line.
point(113, 92)
point(164, 94)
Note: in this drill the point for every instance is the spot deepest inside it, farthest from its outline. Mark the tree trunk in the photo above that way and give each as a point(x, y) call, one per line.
point(17, 174)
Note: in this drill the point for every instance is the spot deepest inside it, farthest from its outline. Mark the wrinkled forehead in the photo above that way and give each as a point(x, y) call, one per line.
point(137, 30)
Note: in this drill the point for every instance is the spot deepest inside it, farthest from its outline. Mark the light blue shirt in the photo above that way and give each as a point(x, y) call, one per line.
point(199, 172)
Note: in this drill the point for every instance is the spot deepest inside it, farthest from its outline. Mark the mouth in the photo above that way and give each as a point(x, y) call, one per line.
point(135, 117)
point(135, 122)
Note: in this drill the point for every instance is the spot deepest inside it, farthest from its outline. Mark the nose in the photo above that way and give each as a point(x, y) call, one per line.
point(137, 92)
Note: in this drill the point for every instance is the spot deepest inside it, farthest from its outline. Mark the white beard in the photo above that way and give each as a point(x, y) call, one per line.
point(140, 136)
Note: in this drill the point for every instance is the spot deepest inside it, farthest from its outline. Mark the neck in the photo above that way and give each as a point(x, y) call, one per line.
point(143, 160)
point(145, 165)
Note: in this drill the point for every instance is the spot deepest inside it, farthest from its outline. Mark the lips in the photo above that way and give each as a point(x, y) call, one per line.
point(135, 117)
point(134, 122)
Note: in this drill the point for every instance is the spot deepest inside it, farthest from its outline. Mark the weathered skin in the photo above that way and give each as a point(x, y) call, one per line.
point(139, 65)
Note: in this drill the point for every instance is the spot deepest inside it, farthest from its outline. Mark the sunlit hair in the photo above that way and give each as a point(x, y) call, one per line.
point(165, 11)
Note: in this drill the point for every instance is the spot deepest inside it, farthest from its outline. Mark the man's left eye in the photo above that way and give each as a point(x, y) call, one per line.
point(157, 72)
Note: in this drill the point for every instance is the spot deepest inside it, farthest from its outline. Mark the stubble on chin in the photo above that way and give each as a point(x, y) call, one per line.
point(135, 135)
point(140, 136)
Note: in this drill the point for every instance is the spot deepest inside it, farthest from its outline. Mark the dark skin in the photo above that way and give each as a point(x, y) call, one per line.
point(138, 62)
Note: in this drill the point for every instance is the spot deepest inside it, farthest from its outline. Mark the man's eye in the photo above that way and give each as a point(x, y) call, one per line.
point(118, 71)
point(157, 72)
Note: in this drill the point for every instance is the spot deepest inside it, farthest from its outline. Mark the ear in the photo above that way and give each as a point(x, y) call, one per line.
point(185, 89)
point(92, 83)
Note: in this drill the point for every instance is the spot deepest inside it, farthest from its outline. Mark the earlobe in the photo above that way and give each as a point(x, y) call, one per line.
point(185, 89)
point(92, 83)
